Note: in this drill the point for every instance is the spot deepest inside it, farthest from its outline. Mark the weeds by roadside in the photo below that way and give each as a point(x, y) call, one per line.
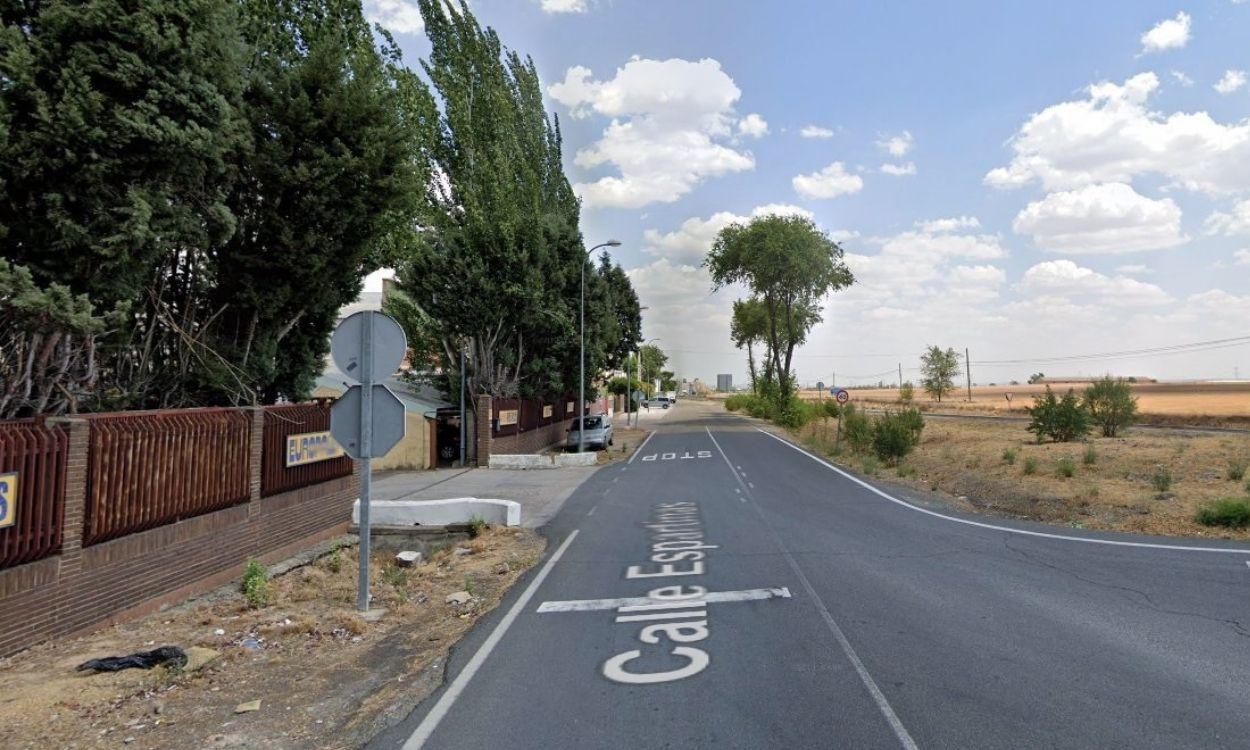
point(255, 585)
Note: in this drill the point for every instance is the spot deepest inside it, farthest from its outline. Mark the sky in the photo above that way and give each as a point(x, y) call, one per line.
point(1028, 181)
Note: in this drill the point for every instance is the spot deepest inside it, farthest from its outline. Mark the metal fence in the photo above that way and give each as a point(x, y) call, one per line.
point(146, 469)
point(32, 466)
point(513, 415)
point(279, 473)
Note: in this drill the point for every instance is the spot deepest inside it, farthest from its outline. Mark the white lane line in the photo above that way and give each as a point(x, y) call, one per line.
point(591, 512)
point(878, 697)
point(436, 714)
point(591, 605)
point(640, 447)
point(983, 525)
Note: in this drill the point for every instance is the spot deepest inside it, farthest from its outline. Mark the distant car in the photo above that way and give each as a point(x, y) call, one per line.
point(598, 432)
point(659, 402)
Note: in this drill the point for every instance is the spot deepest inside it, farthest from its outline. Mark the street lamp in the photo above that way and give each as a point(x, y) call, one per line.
point(638, 412)
point(629, 386)
point(581, 383)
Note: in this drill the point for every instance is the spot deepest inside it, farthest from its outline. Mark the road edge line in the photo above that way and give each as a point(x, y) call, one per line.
point(995, 527)
point(431, 720)
point(641, 445)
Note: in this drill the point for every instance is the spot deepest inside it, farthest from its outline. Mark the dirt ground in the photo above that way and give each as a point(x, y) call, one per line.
point(1163, 403)
point(325, 677)
point(965, 462)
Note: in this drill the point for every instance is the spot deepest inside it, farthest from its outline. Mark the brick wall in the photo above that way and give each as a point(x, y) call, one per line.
point(84, 588)
point(530, 441)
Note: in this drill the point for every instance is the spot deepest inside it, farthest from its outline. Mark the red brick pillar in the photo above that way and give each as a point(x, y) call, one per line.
point(75, 499)
point(482, 428)
point(256, 455)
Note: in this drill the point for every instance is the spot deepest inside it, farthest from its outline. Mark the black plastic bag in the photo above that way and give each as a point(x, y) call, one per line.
point(138, 660)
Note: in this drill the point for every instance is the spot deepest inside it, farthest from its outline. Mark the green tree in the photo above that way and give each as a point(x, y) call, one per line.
point(653, 361)
point(789, 265)
point(749, 328)
point(1061, 419)
point(1110, 404)
point(938, 370)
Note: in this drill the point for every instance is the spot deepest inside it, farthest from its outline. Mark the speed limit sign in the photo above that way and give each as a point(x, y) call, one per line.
point(842, 395)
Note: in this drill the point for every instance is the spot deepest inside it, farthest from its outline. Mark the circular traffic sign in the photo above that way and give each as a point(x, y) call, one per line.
point(842, 395)
point(820, 385)
point(388, 345)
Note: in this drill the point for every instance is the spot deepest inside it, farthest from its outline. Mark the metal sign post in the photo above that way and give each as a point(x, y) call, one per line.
point(365, 345)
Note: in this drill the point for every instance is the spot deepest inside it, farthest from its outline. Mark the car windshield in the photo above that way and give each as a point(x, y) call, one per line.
point(592, 423)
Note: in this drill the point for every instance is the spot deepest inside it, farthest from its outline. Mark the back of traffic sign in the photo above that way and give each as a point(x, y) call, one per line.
point(388, 422)
point(387, 344)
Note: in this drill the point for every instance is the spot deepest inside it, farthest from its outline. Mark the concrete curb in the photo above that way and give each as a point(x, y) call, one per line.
point(541, 461)
point(440, 512)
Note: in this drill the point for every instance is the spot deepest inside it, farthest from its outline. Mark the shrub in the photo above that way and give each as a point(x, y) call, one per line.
point(1161, 479)
point(1110, 405)
point(477, 524)
point(857, 428)
point(255, 584)
point(334, 561)
point(1067, 467)
point(738, 401)
point(869, 465)
point(1030, 466)
point(1229, 512)
point(1090, 457)
point(907, 393)
point(1062, 420)
point(1009, 456)
point(894, 435)
point(1236, 470)
point(832, 409)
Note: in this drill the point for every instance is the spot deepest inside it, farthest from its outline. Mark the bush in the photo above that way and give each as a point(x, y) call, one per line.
point(869, 465)
point(857, 428)
point(1161, 480)
point(832, 410)
point(1229, 512)
point(1067, 467)
point(894, 435)
point(1110, 405)
point(1061, 420)
point(1090, 457)
point(907, 393)
point(1030, 466)
point(1009, 456)
point(1236, 470)
point(255, 585)
point(738, 401)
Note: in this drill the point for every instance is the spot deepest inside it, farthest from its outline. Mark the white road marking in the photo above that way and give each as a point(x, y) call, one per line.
point(878, 697)
point(698, 613)
point(640, 447)
point(591, 512)
point(440, 709)
point(1008, 529)
point(628, 603)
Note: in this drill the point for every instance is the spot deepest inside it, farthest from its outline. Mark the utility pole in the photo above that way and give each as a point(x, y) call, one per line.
point(900, 375)
point(463, 426)
point(968, 372)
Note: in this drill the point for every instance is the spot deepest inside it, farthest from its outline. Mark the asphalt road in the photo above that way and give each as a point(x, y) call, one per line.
point(832, 616)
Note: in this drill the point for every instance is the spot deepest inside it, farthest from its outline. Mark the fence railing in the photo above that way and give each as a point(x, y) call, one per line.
point(32, 466)
point(281, 471)
point(513, 415)
point(146, 469)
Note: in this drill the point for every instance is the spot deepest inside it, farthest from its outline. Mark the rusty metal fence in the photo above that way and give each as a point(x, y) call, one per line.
point(513, 416)
point(278, 472)
point(146, 469)
point(32, 468)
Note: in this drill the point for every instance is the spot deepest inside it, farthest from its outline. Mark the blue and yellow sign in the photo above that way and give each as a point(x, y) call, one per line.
point(8, 499)
point(311, 447)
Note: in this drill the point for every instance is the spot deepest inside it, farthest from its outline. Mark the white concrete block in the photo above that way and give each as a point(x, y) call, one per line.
point(440, 512)
point(589, 458)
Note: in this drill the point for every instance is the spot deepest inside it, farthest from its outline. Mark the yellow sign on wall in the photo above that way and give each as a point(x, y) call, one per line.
point(8, 499)
point(507, 417)
point(311, 447)
point(547, 412)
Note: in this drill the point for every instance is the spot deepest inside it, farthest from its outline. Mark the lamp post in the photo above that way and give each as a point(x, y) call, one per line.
point(638, 412)
point(629, 386)
point(581, 382)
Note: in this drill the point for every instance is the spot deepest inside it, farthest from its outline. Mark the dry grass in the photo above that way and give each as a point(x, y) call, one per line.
point(965, 460)
point(1166, 403)
point(325, 676)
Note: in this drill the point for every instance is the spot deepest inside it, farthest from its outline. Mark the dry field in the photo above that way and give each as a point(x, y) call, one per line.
point(964, 461)
point(325, 678)
point(1162, 403)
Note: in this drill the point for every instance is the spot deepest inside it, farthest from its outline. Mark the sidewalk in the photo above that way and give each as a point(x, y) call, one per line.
point(541, 492)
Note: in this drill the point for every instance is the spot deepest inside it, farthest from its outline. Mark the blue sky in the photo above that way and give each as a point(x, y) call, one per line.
point(1027, 180)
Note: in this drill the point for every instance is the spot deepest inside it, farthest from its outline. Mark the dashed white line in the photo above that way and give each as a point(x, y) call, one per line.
point(440, 709)
point(627, 604)
point(591, 512)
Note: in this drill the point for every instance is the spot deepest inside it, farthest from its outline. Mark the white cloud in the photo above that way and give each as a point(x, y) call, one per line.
point(950, 224)
point(1236, 222)
point(899, 170)
point(1172, 33)
point(753, 125)
point(1112, 136)
point(668, 118)
point(1065, 279)
point(689, 243)
point(897, 145)
point(829, 182)
point(1232, 80)
point(912, 266)
point(564, 6)
point(1134, 269)
point(1242, 257)
point(399, 16)
point(1182, 79)
point(815, 131)
point(1107, 218)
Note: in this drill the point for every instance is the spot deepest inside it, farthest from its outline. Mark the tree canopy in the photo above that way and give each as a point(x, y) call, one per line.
point(938, 370)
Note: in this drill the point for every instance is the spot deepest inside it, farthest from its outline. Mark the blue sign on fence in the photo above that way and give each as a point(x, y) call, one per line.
point(8, 499)
point(310, 447)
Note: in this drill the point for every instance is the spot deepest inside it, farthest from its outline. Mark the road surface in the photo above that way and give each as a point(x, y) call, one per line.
point(822, 613)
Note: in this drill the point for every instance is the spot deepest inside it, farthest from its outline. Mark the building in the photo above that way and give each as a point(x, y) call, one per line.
point(724, 383)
